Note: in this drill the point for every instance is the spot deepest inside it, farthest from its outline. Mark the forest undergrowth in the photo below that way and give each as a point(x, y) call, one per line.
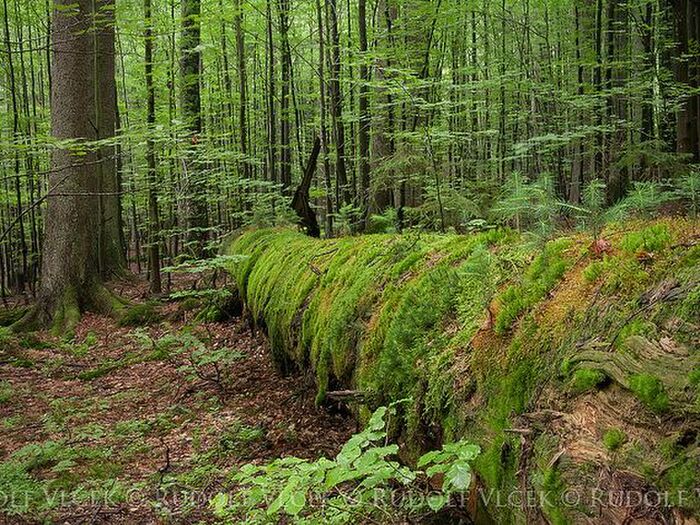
point(143, 423)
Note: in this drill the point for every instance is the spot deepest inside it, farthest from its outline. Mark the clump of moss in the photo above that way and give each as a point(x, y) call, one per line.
point(587, 380)
point(650, 391)
point(635, 327)
point(613, 439)
point(651, 239)
point(694, 377)
point(141, 314)
point(543, 274)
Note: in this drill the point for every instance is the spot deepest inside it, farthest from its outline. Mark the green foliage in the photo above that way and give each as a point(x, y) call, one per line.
point(613, 439)
point(687, 188)
point(141, 314)
point(528, 205)
point(6, 392)
point(383, 223)
point(650, 391)
point(338, 490)
point(651, 239)
point(44, 476)
point(586, 380)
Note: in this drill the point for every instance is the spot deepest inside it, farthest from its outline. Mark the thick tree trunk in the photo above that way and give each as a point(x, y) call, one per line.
point(70, 277)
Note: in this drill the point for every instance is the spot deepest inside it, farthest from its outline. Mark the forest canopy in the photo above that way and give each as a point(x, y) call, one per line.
point(209, 115)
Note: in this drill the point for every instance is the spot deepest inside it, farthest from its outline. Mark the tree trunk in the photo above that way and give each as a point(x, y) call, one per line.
point(190, 103)
point(242, 88)
point(365, 118)
point(285, 101)
point(342, 189)
point(70, 277)
point(112, 259)
point(153, 216)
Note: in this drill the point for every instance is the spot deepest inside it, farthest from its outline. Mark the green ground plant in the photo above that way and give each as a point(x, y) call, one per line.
point(341, 489)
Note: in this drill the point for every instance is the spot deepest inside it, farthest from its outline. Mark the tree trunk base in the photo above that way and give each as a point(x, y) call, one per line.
point(62, 315)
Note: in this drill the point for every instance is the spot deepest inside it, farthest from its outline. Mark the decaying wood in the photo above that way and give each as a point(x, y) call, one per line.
point(300, 202)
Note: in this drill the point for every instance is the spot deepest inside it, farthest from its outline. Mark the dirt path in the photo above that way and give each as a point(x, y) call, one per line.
point(143, 424)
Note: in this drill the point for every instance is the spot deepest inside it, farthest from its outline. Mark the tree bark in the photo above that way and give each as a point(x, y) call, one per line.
point(70, 277)
point(191, 107)
point(365, 119)
point(153, 215)
point(112, 258)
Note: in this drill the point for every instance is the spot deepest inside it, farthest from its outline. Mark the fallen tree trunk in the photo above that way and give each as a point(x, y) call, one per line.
point(537, 355)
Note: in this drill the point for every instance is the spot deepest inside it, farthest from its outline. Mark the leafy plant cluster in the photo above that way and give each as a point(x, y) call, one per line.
point(352, 484)
point(195, 359)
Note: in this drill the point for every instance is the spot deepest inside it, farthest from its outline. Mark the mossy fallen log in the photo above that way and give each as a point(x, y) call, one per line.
point(536, 351)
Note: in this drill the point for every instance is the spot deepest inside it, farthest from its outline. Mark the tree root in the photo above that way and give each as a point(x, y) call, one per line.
point(62, 315)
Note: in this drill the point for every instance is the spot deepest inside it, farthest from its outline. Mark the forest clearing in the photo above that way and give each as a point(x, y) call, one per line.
point(350, 261)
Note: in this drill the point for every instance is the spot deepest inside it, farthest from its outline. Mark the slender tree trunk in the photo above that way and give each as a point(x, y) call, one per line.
point(112, 258)
point(153, 215)
point(365, 119)
point(285, 102)
point(242, 88)
point(190, 106)
point(343, 191)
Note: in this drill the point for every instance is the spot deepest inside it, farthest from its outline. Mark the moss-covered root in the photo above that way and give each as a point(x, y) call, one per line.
point(63, 315)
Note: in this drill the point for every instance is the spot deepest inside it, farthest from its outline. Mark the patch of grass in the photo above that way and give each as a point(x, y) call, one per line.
point(587, 380)
point(32, 341)
point(45, 475)
point(238, 440)
point(141, 314)
point(81, 349)
point(6, 392)
point(8, 423)
point(650, 391)
point(613, 439)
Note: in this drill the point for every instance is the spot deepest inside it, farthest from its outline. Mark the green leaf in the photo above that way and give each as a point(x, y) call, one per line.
point(296, 503)
point(437, 502)
point(459, 476)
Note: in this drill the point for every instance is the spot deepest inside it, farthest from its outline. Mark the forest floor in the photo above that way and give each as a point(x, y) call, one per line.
point(144, 424)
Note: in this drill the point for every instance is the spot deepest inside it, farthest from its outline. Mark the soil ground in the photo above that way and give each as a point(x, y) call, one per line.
point(127, 432)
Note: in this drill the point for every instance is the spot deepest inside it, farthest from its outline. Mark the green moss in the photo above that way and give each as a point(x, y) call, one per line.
point(140, 314)
point(694, 378)
point(613, 439)
point(650, 391)
point(543, 274)
point(586, 380)
point(409, 317)
point(636, 327)
point(651, 239)
point(553, 488)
